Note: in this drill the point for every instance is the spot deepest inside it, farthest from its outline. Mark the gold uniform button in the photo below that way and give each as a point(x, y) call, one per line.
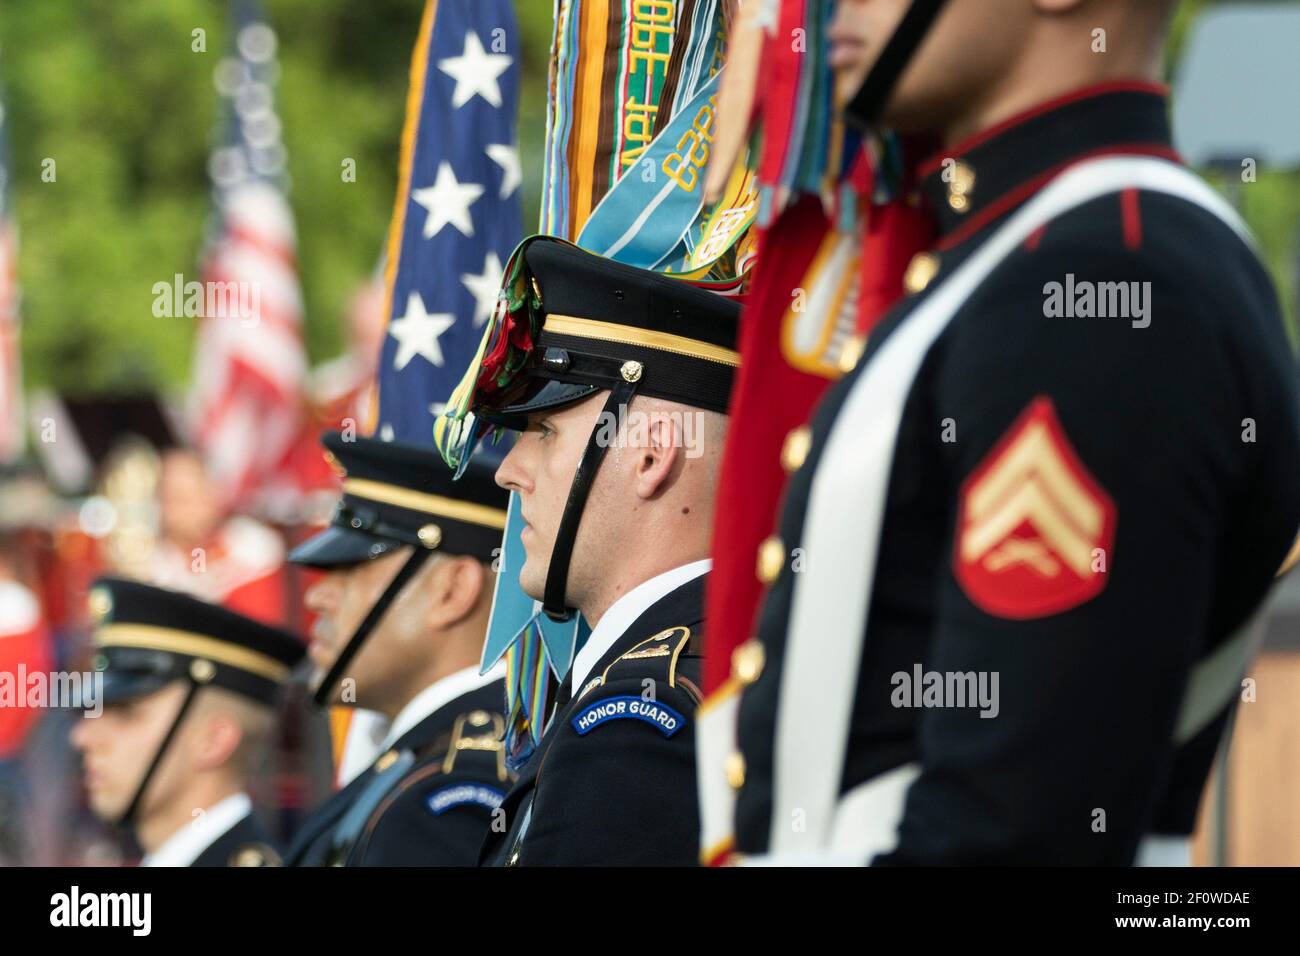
point(250, 856)
point(479, 718)
point(735, 770)
point(771, 558)
point(747, 661)
point(387, 760)
point(430, 535)
point(920, 271)
point(202, 670)
point(100, 603)
point(960, 185)
point(795, 450)
point(853, 349)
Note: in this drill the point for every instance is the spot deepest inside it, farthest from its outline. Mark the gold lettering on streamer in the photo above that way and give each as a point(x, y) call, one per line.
point(683, 166)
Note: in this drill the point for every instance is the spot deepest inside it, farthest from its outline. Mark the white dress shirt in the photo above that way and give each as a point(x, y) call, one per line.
point(185, 845)
point(438, 694)
point(624, 612)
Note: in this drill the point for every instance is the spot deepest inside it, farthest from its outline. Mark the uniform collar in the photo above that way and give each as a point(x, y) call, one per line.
point(186, 845)
point(984, 177)
point(623, 612)
point(436, 696)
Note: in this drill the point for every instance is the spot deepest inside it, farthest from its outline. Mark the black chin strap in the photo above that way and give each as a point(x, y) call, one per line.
point(557, 575)
point(869, 102)
point(323, 691)
point(134, 806)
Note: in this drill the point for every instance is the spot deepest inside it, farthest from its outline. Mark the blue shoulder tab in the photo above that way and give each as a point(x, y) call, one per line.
point(658, 715)
point(464, 794)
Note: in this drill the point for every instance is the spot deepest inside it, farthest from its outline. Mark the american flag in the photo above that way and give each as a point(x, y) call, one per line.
point(457, 216)
point(250, 363)
point(11, 395)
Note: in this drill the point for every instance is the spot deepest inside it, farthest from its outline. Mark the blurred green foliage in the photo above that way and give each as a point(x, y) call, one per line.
point(112, 92)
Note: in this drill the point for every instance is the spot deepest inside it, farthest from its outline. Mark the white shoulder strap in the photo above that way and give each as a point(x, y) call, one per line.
point(828, 616)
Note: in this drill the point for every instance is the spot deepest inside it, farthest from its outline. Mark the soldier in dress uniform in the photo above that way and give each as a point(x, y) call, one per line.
point(621, 405)
point(188, 693)
point(1063, 475)
point(402, 609)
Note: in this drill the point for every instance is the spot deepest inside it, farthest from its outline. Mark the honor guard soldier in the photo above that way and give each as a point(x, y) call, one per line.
point(1058, 483)
point(402, 609)
point(189, 691)
point(620, 401)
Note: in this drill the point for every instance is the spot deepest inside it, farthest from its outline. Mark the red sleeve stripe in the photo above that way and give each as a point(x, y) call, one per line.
point(1128, 203)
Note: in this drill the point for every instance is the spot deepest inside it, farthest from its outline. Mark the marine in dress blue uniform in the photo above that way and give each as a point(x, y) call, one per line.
point(1030, 477)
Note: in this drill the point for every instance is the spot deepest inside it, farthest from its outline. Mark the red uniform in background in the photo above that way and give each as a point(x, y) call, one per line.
point(24, 649)
point(241, 566)
point(234, 561)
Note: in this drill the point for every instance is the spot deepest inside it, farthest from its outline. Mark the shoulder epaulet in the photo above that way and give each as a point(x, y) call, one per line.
point(475, 730)
point(478, 730)
point(655, 656)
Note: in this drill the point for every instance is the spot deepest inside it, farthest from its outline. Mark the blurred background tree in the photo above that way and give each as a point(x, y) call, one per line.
point(115, 95)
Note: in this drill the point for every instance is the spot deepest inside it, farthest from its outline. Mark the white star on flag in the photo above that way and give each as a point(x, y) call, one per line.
point(417, 333)
point(447, 201)
point(484, 287)
point(507, 157)
point(475, 72)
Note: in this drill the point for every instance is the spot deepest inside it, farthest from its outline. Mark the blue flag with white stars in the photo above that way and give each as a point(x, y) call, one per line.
point(458, 213)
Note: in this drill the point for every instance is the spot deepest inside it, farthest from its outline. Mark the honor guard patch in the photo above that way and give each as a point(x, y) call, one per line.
point(1035, 529)
point(464, 794)
point(660, 716)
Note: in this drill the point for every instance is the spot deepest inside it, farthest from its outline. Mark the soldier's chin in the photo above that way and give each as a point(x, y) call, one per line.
point(848, 80)
point(322, 658)
point(532, 578)
point(107, 807)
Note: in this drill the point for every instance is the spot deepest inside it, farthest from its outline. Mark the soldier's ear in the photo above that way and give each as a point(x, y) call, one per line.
point(222, 737)
point(657, 456)
point(456, 584)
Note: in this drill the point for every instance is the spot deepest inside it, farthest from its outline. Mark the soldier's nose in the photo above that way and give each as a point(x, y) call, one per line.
point(317, 596)
point(509, 474)
point(77, 735)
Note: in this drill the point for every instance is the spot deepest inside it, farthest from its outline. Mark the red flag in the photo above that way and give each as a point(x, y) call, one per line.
point(249, 361)
point(820, 286)
point(816, 294)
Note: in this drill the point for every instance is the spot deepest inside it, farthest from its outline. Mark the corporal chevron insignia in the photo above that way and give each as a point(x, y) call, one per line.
point(1035, 528)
